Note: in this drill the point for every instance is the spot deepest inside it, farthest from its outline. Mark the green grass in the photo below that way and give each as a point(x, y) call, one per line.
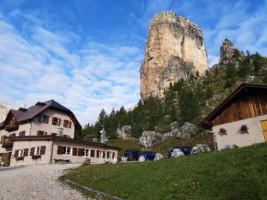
point(236, 174)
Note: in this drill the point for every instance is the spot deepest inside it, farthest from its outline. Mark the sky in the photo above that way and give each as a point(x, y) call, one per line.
point(87, 54)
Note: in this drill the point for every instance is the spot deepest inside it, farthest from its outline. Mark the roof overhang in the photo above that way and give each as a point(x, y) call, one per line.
point(207, 121)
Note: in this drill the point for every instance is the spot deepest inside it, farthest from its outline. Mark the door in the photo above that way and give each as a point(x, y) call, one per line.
point(264, 129)
point(6, 158)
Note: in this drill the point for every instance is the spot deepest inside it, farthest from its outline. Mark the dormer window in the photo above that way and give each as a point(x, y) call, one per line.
point(43, 119)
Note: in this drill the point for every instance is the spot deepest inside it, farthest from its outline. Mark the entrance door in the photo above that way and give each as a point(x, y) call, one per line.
point(264, 129)
point(6, 158)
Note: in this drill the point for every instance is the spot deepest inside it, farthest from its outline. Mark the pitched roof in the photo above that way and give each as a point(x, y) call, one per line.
point(23, 115)
point(216, 111)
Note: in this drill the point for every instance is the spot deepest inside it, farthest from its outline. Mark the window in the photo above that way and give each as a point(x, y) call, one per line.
point(21, 153)
point(108, 154)
point(37, 150)
point(67, 124)
point(22, 133)
point(67, 150)
point(43, 119)
point(41, 133)
point(56, 121)
point(86, 152)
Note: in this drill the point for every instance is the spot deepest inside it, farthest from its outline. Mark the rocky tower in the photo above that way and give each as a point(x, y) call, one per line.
point(175, 48)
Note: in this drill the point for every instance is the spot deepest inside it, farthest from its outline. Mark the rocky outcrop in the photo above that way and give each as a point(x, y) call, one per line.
point(229, 54)
point(188, 130)
point(149, 138)
point(4, 109)
point(200, 148)
point(125, 132)
point(175, 48)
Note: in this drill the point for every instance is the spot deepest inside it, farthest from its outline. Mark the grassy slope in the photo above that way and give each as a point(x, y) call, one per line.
point(162, 147)
point(230, 174)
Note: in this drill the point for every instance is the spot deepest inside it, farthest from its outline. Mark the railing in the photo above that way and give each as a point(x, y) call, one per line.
point(7, 143)
point(12, 127)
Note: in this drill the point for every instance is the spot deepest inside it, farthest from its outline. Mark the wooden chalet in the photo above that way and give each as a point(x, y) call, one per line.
point(240, 119)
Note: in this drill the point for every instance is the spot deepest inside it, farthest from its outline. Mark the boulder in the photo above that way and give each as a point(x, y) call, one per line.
point(177, 153)
point(141, 159)
point(187, 131)
point(123, 159)
point(231, 146)
point(125, 132)
point(114, 161)
point(200, 148)
point(158, 156)
point(86, 162)
point(149, 138)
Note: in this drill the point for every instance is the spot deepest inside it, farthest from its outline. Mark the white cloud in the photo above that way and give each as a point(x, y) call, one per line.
point(42, 67)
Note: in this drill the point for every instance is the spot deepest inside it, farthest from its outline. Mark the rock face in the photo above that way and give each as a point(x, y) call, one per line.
point(125, 132)
point(227, 53)
point(175, 48)
point(4, 109)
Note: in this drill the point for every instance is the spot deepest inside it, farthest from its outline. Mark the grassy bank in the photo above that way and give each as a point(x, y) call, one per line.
point(231, 174)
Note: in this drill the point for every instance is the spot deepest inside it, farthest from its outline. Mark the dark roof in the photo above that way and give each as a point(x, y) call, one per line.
point(60, 139)
point(24, 115)
point(216, 111)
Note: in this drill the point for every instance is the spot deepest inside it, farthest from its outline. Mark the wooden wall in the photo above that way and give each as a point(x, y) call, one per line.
point(249, 103)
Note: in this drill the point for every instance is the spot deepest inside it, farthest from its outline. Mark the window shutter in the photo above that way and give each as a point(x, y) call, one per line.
point(69, 124)
point(113, 155)
point(45, 133)
point(103, 154)
point(32, 151)
point(92, 153)
point(74, 151)
point(80, 152)
point(108, 154)
point(2, 140)
point(16, 153)
point(26, 151)
point(43, 150)
point(97, 153)
point(60, 150)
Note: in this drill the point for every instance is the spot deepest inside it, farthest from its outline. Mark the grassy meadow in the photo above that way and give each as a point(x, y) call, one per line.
point(235, 174)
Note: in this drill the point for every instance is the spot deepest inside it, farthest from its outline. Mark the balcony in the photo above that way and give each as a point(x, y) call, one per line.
point(7, 143)
point(12, 127)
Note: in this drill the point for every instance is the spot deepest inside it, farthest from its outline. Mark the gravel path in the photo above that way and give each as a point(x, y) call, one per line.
point(36, 182)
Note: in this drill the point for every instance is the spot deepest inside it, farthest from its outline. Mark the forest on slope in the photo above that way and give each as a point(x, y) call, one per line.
point(184, 101)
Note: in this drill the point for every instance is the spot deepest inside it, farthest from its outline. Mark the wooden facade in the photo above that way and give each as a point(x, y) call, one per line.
point(247, 101)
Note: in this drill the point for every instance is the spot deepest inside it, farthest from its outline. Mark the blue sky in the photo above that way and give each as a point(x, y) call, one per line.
point(86, 54)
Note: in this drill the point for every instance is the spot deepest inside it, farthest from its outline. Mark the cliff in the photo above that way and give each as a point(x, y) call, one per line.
point(4, 109)
point(175, 48)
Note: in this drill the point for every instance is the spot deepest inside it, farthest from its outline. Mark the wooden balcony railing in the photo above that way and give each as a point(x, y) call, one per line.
point(7, 143)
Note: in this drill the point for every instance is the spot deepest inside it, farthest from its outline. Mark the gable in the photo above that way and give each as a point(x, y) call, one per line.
point(247, 101)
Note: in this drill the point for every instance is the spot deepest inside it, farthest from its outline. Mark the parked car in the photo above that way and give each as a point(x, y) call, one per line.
point(185, 150)
point(148, 155)
point(131, 155)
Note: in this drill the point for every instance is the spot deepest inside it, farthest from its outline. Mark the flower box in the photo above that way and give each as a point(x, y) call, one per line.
point(223, 131)
point(19, 158)
point(34, 157)
point(244, 129)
